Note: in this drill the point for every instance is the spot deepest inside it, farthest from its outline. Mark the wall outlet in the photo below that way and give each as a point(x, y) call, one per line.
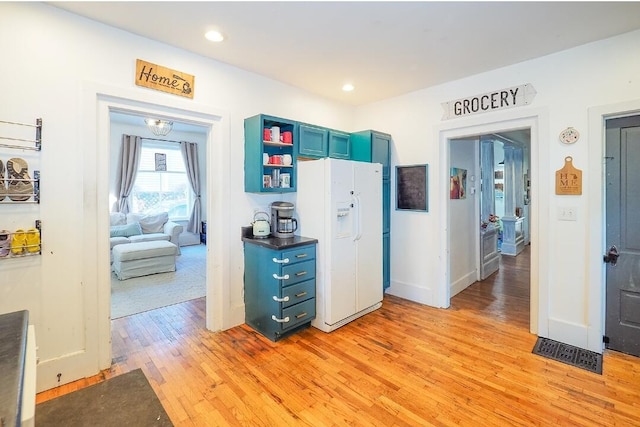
point(567, 214)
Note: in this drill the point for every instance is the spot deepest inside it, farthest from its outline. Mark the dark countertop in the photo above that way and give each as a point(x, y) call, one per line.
point(13, 344)
point(278, 243)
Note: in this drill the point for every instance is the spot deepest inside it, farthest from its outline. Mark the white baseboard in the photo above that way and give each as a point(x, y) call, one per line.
point(412, 293)
point(463, 283)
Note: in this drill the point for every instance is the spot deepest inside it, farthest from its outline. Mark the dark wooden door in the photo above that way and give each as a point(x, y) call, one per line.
point(622, 162)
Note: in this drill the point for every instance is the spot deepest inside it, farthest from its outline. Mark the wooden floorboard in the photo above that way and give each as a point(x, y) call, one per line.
point(405, 364)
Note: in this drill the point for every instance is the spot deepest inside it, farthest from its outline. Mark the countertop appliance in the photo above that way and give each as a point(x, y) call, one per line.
point(261, 226)
point(283, 224)
point(339, 202)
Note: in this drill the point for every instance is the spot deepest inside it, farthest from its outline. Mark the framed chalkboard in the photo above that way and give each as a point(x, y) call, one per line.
point(412, 188)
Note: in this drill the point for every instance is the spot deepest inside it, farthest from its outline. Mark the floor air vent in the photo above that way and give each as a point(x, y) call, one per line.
point(565, 353)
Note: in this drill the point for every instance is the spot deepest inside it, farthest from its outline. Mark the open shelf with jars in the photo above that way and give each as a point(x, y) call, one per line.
point(269, 158)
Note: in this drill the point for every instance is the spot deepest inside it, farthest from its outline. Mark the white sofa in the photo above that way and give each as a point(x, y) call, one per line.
point(136, 228)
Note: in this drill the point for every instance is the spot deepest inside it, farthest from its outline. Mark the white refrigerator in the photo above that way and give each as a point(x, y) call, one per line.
point(339, 202)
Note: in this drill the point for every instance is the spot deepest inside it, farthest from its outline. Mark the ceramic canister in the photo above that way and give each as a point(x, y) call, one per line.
point(275, 134)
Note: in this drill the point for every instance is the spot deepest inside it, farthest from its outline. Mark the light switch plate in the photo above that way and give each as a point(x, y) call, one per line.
point(567, 214)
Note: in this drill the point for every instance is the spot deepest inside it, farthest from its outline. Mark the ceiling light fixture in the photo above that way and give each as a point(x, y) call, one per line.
point(159, 127)
point(348, 87)
point(214, 36)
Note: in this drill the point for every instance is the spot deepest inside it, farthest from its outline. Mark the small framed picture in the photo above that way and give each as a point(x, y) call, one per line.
point(266, 181)
point(161, 161)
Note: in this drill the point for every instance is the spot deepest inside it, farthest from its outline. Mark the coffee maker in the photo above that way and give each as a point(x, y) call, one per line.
point(283, 224)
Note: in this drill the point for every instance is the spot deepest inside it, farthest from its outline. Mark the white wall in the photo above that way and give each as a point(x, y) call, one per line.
point(568, 85)
point(58, 56)
point(465, 224)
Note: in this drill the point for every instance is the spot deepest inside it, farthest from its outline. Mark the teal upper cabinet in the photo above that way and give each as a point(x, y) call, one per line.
point(339, 145)
point(269, 162)
point(374, 147)
point(313, 141)
point(318, 142)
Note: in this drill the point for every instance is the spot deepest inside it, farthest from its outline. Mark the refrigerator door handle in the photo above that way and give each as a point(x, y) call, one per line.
point(358, 219)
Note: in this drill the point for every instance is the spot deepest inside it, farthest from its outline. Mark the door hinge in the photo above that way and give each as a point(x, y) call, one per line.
point(605, 339)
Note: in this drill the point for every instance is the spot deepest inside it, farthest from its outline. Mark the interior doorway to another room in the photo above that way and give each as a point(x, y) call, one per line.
point(160, 189)
point(488, 206)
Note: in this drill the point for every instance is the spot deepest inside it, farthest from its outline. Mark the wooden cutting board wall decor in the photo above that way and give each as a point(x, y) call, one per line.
point(569, 179)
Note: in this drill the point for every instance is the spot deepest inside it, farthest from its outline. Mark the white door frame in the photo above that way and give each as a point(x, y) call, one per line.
point(596, 277)
point(537, 121)
point(98, 101)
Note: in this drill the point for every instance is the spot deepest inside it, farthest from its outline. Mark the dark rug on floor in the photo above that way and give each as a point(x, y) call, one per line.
point(565, 353)
point(125, 400)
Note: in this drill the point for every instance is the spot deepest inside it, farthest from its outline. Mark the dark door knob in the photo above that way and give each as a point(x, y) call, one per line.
point(611, 256)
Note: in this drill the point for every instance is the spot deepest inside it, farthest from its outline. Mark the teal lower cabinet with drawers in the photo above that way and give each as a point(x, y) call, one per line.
point(279, 285)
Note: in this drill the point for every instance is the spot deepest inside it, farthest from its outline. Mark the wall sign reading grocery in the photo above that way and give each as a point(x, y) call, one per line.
point(516, 96)
point(164, 79)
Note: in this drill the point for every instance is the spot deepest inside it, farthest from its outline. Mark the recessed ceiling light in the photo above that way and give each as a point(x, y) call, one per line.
point(214, 36)
point(348, 87)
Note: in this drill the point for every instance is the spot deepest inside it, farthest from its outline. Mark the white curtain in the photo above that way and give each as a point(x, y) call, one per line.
point(127, 170)
point(190, 155)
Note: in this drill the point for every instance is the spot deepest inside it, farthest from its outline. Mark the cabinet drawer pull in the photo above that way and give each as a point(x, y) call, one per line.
point(285, 299)
point(285, 320)
point(300, 295)
point(300, 316)
point(285, 277)
point(281, 261)
point(302, 255)
point(301, 273)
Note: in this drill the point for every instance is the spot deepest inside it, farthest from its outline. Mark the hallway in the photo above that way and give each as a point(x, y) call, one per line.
point(504, 295)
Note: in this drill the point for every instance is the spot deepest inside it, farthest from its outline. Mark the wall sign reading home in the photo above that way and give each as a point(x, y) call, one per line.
point(156, 77)
point(502, 99)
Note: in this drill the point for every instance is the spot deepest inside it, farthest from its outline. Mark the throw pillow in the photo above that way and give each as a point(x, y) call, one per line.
point(153, 223)
point(117, 218)
point(126, 230)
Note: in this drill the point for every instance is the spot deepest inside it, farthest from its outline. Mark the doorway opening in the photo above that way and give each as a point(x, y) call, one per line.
point(489, 211)
point(469, 238)
point(99, 101)
point(161, 191)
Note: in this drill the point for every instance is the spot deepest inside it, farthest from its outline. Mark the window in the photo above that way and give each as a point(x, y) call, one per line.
point(162, 191)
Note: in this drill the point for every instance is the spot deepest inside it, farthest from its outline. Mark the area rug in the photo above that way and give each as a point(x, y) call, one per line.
point(146, 293)
point(565, 353)
point(125, 400)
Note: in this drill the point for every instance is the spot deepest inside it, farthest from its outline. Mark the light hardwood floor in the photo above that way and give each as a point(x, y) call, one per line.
point(402, 365)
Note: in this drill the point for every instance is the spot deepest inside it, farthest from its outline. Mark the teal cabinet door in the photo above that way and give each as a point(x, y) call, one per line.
point(386, 205)
point(339, 145)
point(381, 151)
point(312, 141)
point(374, 147)
point(386, 264)
point(269, 165)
